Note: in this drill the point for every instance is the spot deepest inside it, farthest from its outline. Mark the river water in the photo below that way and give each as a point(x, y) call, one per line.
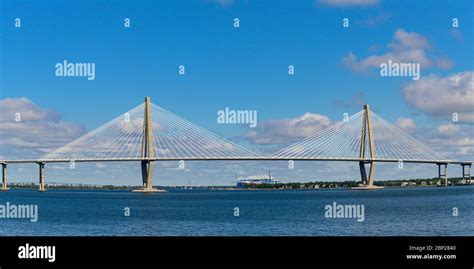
point(388, 212)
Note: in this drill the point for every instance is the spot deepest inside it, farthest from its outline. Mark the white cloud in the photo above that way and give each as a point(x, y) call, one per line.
point(447, 129)
point(405, 40)
point(406, 124)
point(452, 141)
point(348, 3)
point(17, 142)
point(440, 97)
point(38, 131)
point(406, 47)
point(456, 147)
point(27, 109)
point(287, 130)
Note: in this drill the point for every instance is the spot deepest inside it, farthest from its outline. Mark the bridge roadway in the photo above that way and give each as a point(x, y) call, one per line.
point(236, 159)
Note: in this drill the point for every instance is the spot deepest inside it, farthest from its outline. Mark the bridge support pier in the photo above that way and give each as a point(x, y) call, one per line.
point(363, 173)
point(41, 177)
point(442, 173)
point(367, 181)
point(4, 177)
point(148, 168)
point(469, 170)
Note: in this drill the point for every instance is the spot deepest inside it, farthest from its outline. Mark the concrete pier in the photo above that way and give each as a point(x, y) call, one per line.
point(469, 170)
point(41, 177)
point(442, 173)
point(4, 177)
point(147, 177)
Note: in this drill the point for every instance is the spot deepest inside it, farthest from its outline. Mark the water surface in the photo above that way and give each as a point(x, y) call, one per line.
point(397, 211)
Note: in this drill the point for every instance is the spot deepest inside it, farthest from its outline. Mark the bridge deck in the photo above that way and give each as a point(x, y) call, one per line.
point(236, 159)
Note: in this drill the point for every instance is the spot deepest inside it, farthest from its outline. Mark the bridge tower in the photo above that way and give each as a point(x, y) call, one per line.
point(367, 134)
point(147, 163)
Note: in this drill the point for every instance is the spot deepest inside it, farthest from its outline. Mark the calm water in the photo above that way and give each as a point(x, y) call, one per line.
point(415, 211)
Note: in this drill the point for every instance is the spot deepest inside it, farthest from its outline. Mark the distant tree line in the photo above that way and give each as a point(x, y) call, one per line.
point(290, 185)
point(350, 184)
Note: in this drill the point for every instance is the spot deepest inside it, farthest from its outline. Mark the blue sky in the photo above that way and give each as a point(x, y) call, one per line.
point(240, 68)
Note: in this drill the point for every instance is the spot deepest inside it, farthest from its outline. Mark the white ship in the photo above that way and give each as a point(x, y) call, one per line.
point(256, 180)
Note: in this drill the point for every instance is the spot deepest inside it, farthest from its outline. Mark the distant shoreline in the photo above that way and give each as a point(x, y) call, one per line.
point(411, 183)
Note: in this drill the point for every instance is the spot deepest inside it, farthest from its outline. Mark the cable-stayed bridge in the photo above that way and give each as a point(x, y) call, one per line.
point(149, 133)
